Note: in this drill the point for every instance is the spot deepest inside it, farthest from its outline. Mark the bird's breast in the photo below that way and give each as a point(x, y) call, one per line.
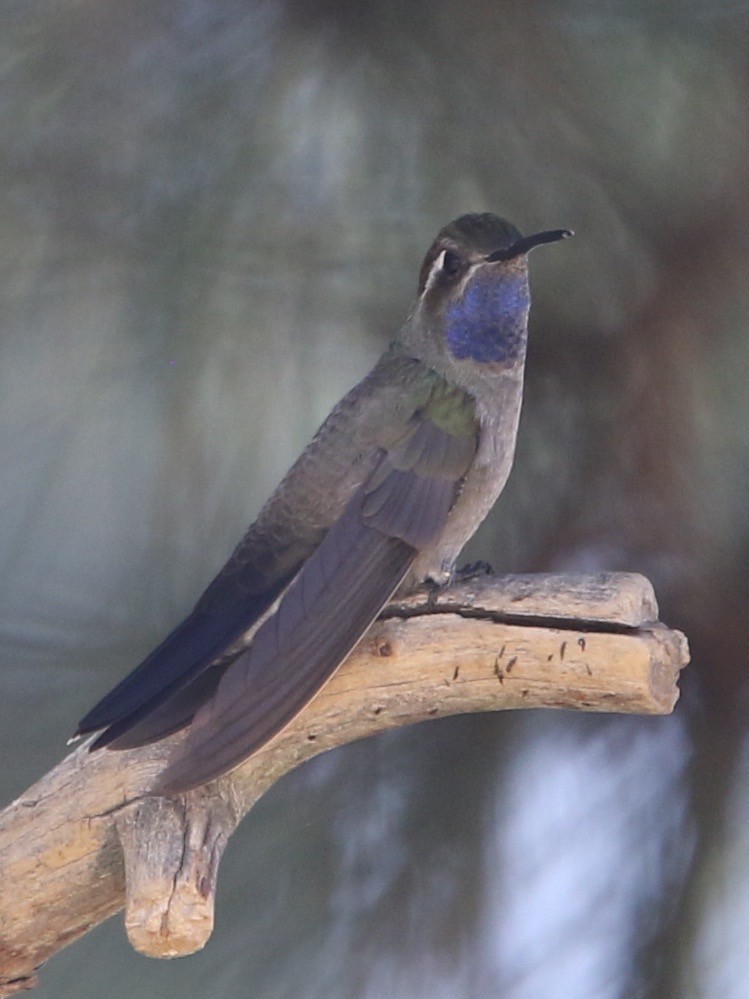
point(499, 414)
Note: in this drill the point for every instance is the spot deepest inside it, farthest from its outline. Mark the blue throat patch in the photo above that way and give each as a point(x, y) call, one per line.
point(489, 322)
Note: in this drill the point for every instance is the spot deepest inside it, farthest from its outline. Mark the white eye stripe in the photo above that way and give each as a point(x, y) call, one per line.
point(437, 266)
point(435, 269)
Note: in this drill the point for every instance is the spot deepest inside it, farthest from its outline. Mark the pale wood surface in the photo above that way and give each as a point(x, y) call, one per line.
point(611, 598)
point(88, 838)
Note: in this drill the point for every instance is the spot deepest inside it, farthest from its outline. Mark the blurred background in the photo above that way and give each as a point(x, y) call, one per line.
point(212, 215)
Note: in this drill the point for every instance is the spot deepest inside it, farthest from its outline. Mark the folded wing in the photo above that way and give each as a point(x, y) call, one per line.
point(180, 660)
point(333, 599)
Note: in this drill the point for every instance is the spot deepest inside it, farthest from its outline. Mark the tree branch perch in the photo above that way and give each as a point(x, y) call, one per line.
point(88, 839)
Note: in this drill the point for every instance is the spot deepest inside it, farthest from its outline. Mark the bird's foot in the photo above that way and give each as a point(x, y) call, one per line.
point(433, 588)
point(472, 570)
point(440, 580)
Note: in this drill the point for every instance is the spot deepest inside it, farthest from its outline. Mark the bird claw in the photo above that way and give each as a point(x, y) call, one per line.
point(435, 585)
point(434, 589)
point(472, 570)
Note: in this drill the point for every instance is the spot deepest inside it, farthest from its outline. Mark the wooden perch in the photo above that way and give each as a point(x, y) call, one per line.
point(88, 839)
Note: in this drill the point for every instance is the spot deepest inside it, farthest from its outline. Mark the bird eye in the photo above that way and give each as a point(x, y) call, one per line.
point(451, 263)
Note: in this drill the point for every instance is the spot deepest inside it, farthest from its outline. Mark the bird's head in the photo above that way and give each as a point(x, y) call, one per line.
point(473, 292)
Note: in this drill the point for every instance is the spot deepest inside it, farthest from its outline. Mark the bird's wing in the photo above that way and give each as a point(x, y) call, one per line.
point(401, 508)
point(225, 612)
point(163, 693)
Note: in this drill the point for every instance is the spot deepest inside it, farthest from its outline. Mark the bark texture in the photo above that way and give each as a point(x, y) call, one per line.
point(89, 839)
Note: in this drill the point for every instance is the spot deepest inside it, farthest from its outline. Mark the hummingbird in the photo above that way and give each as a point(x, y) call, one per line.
point(394, 483)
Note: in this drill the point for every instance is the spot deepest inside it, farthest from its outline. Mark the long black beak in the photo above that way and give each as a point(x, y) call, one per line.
point(526, 243)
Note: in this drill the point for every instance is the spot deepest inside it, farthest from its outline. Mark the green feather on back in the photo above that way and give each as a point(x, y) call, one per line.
point(452, 410)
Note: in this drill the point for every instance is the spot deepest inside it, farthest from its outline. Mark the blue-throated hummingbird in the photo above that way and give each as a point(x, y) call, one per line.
point(393, 485)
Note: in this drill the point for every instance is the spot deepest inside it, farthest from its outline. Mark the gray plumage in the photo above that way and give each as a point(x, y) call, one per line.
point(394, 483)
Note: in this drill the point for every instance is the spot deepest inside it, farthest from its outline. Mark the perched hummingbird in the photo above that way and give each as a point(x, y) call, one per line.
point(395, 482)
